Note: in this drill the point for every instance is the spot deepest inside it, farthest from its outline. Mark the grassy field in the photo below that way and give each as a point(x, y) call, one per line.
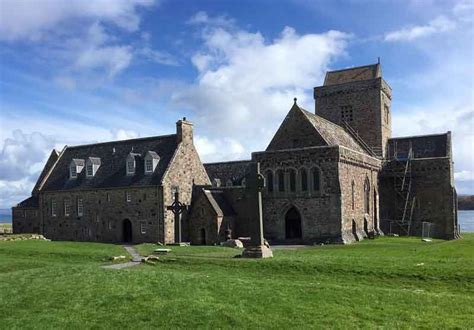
point(388, 282)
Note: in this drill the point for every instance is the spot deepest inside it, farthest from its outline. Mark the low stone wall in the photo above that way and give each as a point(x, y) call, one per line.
point(6, 230)
point(22, 237)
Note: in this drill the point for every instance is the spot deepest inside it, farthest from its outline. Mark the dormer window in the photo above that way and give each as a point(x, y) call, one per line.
point(151, 161)
point(92, 165)
point(75, 167)
point(131, 163)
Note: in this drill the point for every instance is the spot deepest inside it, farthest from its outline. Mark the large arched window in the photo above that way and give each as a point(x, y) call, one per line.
point(304, 179)
point(270, 181)
point(292, 175)
point(367, 195)
point(352, 194)
point(316, 179)
point(281, 180)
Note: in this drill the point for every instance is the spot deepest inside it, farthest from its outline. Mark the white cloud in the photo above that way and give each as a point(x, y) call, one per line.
point(112, 59)
point(218, 149)
point(30, 19)
point(409, 33)
point(464, 176)
point(246, 84)
point(122, 134)
point(158, 56)
point(202, 18)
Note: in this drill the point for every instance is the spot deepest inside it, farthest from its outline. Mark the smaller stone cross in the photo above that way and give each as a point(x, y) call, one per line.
point(177, 208)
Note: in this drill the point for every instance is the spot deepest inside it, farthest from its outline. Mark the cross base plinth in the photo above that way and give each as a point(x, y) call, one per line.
point(259, 251)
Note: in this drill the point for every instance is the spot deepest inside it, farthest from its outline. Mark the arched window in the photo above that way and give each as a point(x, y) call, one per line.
point(367, 195)
point(316, 176)
point(292, 180)
point(281, 180)
point(270, 181)
point(304, 179)
point(352, 194)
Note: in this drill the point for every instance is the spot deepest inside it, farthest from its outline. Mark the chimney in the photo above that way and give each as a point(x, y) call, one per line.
point(184, 131)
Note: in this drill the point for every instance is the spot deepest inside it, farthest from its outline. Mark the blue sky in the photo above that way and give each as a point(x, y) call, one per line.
point(78, 71)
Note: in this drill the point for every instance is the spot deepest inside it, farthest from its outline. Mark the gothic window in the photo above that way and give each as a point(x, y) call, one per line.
point(304, 179)
point(281, 180)
point(67, 207)
point(80, 207)
point(270, 181)
point(316, 176)
point(352, 195)
point(386, 113)
point(367, 196)
point(292, 180)
point(346, 113)
point(53, 208)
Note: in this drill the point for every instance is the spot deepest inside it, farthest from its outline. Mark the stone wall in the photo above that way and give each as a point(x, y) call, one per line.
point(368, 101)
point(319, 209)
point(104, 213)
point(426, 146)
point(26, 220)
point(184, 172)
point(433, 188)
point(358, 179)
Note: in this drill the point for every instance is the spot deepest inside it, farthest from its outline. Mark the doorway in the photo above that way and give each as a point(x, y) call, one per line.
point(127, 231)
point(293, 224)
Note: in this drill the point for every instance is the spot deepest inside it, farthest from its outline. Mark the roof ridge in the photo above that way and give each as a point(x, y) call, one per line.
point(227, 162)
point(121, 141)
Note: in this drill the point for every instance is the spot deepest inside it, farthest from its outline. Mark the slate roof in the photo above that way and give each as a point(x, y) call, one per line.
point(234, 171)
point(29, 202)
point(113, 157)
point(219, 203)
point(353, 74)
point(332, 133)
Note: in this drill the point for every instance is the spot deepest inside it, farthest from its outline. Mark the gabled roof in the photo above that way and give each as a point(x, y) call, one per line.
point(113, 157)
point(78, 162)
point(234, 171)
point(53, 157)
point(29, 202)
point(332, 133)
point(359, 73)
point(95, 160)
point(219, 203)
point(153, 155)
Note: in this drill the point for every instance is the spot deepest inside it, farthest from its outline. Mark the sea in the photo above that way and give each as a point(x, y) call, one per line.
point(465, 217)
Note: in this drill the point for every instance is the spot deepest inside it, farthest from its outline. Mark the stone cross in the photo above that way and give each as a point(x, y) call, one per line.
point(177, 208)
point(255, 182)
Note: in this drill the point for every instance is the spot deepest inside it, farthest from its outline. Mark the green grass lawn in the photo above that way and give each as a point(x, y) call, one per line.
point(388, 282)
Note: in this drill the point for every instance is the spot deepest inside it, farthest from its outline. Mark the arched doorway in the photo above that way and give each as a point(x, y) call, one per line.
point(293, 224)
point(127, 231)
point(203, 236)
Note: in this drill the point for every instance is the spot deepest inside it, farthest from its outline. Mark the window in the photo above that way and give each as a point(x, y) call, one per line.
point(143, 227)
point(281, 180)
point(386, 113)
point(73, 173)
point(149, 165)
point(108, 197)
point(367, 195)
point(352, 194)
point(128, 196)
point(80, 207)
point(270, 181)
point(304, 180)
point(131, 166)
point(316, 175)
point(346, 113)
point(67, 207)
point(292, 180)
point(53, 208)
point(89, 170)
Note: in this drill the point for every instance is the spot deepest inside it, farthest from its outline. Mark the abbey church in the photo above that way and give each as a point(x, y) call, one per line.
point(333, 174)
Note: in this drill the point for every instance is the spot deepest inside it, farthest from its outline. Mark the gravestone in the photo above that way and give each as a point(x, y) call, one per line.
point(255, 182)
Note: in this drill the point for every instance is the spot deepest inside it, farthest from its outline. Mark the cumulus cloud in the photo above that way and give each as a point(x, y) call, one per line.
point(218, 149)
point(29, 19)
point(409, 33)
point(246, 83)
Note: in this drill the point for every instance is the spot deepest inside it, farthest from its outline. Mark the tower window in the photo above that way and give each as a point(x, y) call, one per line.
point(316, 176)
point(346, 113)
point(292, 180)
point(281, 180)
point(386, 113)
point(304, 180)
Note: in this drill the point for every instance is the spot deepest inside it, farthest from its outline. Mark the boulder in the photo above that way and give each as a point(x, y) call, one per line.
point(233, 243)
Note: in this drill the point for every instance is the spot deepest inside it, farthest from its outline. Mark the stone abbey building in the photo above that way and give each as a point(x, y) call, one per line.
point(332, 175)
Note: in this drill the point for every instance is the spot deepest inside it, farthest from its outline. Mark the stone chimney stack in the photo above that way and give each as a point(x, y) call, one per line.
point(184, 131)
